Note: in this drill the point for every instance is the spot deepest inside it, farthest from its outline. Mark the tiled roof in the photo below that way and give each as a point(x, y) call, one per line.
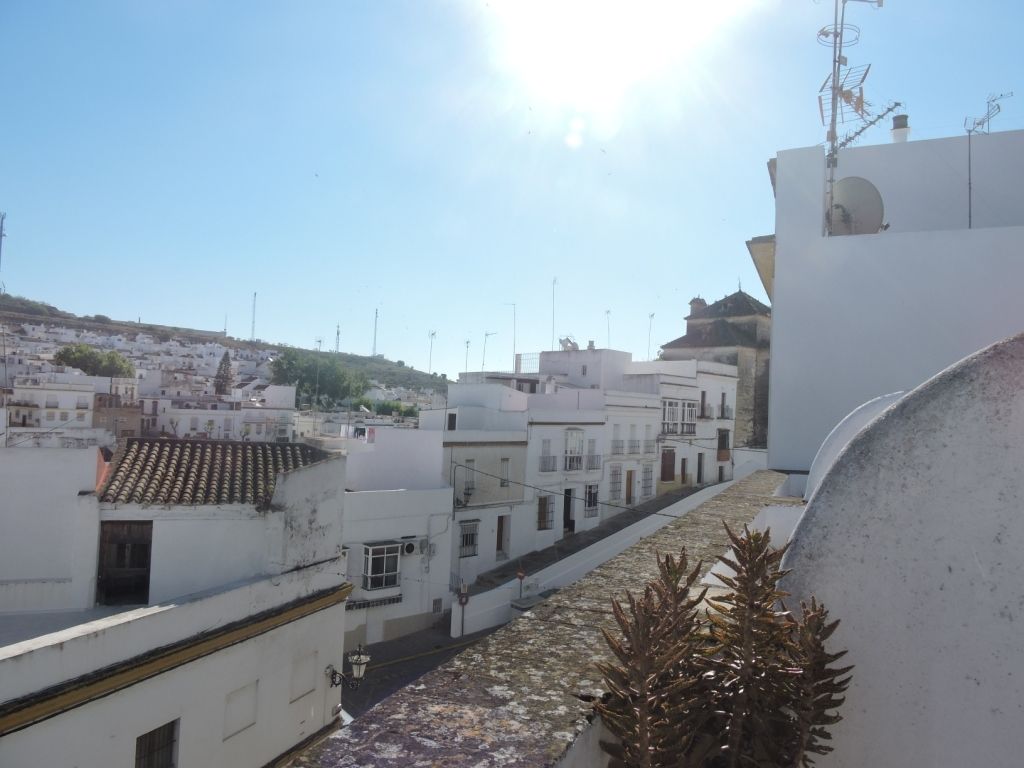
point(719, 333)
point(190, 472)
point(738, 304)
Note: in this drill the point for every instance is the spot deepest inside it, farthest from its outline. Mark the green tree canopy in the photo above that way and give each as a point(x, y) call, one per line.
point(95, 362)
point(317, 374)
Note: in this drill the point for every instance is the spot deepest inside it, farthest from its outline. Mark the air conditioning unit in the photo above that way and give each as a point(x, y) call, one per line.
point(409, 548)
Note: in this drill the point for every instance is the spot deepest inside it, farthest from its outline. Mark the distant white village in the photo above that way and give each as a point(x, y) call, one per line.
point(188, 573)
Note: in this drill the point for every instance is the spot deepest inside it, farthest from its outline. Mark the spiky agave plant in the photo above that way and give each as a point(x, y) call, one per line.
point(653, 705)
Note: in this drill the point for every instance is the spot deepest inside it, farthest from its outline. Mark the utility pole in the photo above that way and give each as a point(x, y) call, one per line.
point(554, 282)
point(374, 353)
point(316, 397)
point(430, 359)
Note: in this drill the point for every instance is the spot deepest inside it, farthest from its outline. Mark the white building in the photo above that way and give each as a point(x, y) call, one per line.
point(596, 437)
point(184, 613)
point(861, 315)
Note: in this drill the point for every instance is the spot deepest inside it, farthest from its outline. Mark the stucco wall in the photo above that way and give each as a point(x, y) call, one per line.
point(855, 317)
point(47, 537)
point(914, 540)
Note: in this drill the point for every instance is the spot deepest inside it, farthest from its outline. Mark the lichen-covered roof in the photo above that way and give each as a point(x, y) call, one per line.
point(190, 472)
point(521, 696)
point(739, 304)
point(717, 333)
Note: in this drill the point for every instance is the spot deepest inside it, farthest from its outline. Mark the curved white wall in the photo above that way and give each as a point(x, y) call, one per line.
point(915, 541)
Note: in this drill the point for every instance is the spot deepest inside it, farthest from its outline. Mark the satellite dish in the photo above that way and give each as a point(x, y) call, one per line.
point(856, 207)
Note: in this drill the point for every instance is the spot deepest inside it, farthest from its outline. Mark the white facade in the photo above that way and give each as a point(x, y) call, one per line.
point(246, 608)
point(855, 317)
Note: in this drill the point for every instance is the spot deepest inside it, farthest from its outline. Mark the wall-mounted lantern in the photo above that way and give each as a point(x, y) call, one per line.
point(357, 660)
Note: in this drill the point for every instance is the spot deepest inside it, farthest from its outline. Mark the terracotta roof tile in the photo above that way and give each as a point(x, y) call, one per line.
point(167, 471)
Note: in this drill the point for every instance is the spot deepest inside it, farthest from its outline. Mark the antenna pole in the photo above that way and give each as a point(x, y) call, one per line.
point(466, 366)
point(650, 325)
point(483, 360)
point(337, 339)
point(554, 282)
point(430, 360)
point(252, 332)
point(374, 353)
point(608, 323)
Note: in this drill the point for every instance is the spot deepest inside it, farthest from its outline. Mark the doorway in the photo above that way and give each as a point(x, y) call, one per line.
point(700, 468)
point(668, 465)
point(568, 524)
point(630, 475)
point(501, 545)
point(123, 577)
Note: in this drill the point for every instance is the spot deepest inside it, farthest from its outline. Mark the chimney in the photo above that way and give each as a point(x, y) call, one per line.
point(697, 304)
point(900, 129)
point(590, 344)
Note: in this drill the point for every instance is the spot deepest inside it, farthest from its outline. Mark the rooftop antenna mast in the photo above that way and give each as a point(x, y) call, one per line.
point(466, 368)
point(337, 339)
point(483, 360)
point(374, 352)
point(430, 359)
point(841, 96)
point(980, 125)
point(252, 332)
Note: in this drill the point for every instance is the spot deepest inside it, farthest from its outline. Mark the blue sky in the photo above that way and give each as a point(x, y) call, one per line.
point(436, 161)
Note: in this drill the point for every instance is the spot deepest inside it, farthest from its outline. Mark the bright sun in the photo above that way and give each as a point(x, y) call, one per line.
point(587, 58)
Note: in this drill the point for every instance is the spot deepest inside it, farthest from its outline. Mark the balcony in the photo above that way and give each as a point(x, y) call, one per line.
point(725, 412)
point(573, 462)
point(634, 446)
point(617, 446)
point(706, 411)
point(689, 429)
point(649, 446)
point(548, 463)
point(594, 461)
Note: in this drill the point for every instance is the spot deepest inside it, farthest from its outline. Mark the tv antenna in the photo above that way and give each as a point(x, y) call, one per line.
point(841, 96)
point(483, 360)
point(337, 338)
point(430, 360)
point(980, 125)
point(252, 331)
point(993, 108)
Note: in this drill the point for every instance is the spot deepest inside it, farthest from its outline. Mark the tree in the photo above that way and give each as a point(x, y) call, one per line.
point(317, 375)
point(93, 362)
point(747, 684)
point(223, 379)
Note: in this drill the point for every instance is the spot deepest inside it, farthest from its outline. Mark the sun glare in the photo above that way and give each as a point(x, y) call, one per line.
point(588, 58)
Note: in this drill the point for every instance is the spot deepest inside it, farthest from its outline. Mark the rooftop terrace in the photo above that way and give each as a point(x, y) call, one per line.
point(523, 696)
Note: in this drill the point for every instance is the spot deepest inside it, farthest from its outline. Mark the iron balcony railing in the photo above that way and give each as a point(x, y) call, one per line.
point(548, 463)
point(689, 429)
point(706, 411)
point(634, 446)
point(725, 412)
point(573, 462)
point(617, 447)
point(649, 446)
point(594, 461)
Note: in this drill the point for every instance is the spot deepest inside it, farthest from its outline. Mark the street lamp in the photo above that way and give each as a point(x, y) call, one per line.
point(357, 659)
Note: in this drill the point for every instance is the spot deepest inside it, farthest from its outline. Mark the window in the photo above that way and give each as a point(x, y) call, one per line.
point(593, 457)
point(259, 429)
point(80, 416)
point(647, 480)
point(83, 402)
point(49, 415)
point(590, 509)
point(547, 461)
point(64, 416)
point(380, 565)
point(670, 416)
point(545, 513)
point(573, 449)
point(504, 473)
point(158, 748)
point(615, 481)
point(723, 439)
point(583, 370)
point(193, 423)
point(468, 532)
point(451, 420)
point(470, 480)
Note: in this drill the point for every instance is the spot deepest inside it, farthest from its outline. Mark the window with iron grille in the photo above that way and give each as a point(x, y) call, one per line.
point(590, 508)
point(573, 449)
point(158, 748)
point(380, 565)
point(615, 481)
point(647, 480)
point(470, 482)
point(468, 532)
point(545, 513)
point(504, 472)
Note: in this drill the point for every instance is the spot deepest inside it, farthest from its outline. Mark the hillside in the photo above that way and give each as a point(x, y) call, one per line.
point(17, 309)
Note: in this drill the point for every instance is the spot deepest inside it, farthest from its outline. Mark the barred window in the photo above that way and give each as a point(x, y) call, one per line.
point(380, 565)
point(545, 513)
point(590, 508)
point(615, 481)
point(504, 472)
point(647, 480)
point(158, 748)
point(468, 535)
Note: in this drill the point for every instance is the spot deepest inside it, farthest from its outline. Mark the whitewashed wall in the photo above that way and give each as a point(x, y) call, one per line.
point(856, 317)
